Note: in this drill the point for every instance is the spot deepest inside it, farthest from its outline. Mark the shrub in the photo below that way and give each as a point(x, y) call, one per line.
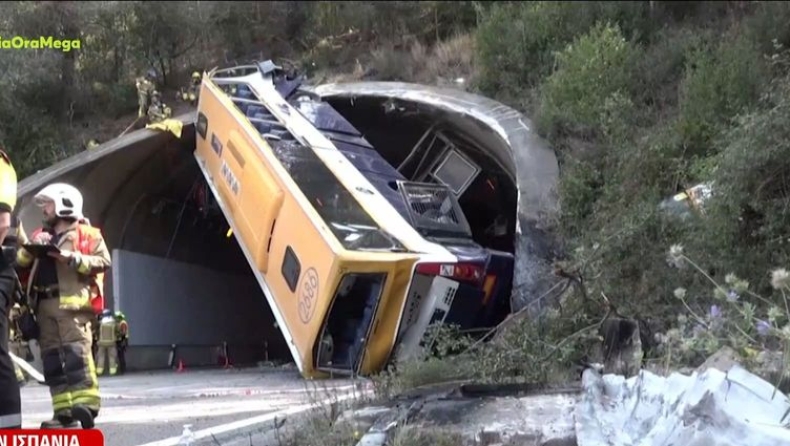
point(719, 83)
point(517, 40)
point(738, 317)
point(746, 230)
point(769, 23)
point(593, 77)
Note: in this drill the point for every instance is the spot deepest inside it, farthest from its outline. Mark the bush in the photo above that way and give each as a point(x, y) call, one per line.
point(662, 66)
point(738, 318)
point(746, 231)
point(769, 23)
point(593, 77)
point(517, 40)
point(719, 83)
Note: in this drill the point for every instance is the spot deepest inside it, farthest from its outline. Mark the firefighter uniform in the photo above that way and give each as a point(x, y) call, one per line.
point(16, 345)
point(192, 92)
point(10, 400)
point(108, 350)
point(65, 290)
point(145, 87)
point(123, 340)
point(158, 111)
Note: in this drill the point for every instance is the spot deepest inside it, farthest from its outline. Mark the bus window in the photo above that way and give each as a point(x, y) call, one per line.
point(344, 216)
point(291, 268)
point(347, 328)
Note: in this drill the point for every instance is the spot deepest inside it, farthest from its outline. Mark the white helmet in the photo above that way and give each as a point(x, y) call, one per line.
point(67, 199)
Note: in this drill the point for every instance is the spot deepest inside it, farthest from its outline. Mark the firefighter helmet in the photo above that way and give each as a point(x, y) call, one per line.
point(195, 75)
point(67, 199)
point(8, 183)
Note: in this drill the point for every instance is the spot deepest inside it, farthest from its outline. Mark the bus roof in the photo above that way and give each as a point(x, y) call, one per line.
point(341, 154)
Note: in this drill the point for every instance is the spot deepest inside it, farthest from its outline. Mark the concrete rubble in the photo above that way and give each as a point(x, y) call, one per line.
point(707, 407)
point(544, 419)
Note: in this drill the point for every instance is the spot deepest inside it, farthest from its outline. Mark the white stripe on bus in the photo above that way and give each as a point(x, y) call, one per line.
point(373, 202)
point(379, 209)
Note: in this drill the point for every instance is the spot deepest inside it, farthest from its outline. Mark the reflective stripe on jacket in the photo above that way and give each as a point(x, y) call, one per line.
point(81, 282)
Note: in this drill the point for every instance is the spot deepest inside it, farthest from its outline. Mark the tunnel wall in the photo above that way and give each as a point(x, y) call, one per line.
point(170, 302)
point(509, 139)
point(115, 179)
point(193, 307)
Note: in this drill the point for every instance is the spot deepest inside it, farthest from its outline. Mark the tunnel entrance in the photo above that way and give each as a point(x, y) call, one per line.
point(182, 281)
point(427, 146)
point(180, 275)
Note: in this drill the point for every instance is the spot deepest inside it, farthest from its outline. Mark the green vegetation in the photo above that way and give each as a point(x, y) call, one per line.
point(639, 99)
point(52, 102)
point(642, 100)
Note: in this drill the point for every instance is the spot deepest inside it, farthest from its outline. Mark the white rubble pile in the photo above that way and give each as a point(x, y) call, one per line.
point(711, 408)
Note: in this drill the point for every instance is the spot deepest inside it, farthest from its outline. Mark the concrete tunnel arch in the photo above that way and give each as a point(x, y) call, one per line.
point(125, 179)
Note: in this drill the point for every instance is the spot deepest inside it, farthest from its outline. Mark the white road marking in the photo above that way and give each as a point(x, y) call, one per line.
point(240, 424)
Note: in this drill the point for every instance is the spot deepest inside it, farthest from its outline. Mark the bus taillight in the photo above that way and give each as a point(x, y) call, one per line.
point(467, 272)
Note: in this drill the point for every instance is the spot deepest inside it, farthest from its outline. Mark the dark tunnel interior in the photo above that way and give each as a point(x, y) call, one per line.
point(490, 201)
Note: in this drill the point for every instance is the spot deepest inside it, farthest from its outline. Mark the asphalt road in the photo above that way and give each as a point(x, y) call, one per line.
point(151, 409)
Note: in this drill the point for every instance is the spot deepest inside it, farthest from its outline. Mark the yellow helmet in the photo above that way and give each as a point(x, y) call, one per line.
point(195, 75)
point(8, 183)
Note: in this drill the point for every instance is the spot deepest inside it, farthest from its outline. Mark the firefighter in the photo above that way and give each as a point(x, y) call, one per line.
point(16, 345)
point(95, 338)
point(108, 351)
point(146, 85)
point(158, 111)
point(10, 399)
point(66, 290)
point(192, 91)
point(123, 341)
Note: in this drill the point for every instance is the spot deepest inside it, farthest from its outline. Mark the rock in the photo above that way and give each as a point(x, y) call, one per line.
point(488, 438)
point(373, 439)
point(533, 420)
point(769, 367)
point(724, 359)
point(362, 419)
point(621, 348)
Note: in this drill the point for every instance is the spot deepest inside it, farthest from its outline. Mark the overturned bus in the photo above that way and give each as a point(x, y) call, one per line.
point(359, 215)
point(356, 259)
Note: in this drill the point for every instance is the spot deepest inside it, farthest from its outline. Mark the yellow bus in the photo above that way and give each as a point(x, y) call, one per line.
point(347, 274)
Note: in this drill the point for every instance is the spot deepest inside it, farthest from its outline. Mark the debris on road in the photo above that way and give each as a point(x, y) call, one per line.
point(709, 407)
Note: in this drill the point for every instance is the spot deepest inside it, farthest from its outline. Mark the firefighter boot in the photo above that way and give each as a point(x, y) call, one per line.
point(60, 421)
point(84, 415)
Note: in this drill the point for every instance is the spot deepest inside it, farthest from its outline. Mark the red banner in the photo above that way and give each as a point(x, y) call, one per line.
point(51, 437)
